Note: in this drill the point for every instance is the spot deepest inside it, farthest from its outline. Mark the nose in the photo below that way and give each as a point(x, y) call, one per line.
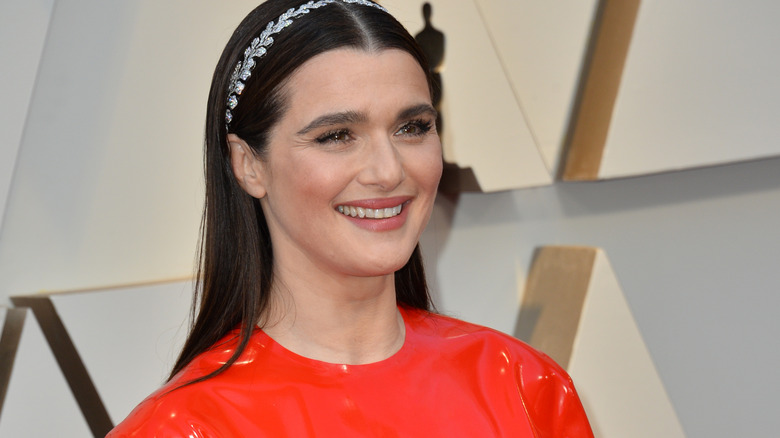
point(383, 165)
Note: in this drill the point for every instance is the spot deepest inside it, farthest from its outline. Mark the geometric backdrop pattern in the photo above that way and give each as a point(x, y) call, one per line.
point(105, 187)
point(109, 349)
point(37, 400)
point(574, 310)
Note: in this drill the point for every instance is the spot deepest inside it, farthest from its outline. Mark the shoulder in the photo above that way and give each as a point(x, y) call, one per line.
point(173, 410)
point(181, 408)
point(163, 414)
point(546, 390)
point(448, 330)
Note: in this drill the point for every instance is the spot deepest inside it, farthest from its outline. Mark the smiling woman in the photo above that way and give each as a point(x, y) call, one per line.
point(357, 133)
point(312, 315)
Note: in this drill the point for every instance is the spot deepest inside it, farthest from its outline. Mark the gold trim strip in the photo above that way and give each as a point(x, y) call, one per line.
point(553, 300)
point(599, 84)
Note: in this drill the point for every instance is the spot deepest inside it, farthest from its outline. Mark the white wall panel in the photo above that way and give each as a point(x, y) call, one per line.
point(699, 87)
point(23, 26)
point(616, 378)
point(542, 45)
point(108, 183)
point(39, 403)
point(128, 338)
point(484, 126)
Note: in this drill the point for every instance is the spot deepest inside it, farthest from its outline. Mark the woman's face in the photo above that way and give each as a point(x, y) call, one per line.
point(352, 167)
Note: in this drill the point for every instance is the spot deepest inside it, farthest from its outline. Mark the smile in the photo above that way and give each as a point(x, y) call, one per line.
point(371, 213)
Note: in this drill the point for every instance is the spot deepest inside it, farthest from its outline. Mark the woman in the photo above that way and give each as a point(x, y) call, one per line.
point(322, 161)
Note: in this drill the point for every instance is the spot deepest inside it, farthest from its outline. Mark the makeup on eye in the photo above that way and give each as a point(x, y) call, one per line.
point(413, 128)
point(415, 120)
point(335, 136)
point(416, 128)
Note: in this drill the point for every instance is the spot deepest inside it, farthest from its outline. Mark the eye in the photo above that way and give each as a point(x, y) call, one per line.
point(338, 136)
point(415, 128)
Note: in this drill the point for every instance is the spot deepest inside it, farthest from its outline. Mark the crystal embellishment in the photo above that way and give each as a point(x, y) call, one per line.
point(259, 47)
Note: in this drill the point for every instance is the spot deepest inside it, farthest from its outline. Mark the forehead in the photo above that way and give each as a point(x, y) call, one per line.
point(354, 77)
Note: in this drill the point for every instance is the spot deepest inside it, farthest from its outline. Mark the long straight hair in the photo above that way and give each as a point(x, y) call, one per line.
point(235, 266)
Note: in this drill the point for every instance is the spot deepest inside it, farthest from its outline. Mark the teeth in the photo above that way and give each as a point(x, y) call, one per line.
point(371, 213)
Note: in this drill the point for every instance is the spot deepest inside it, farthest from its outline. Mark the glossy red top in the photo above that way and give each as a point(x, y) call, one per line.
point(450, 379)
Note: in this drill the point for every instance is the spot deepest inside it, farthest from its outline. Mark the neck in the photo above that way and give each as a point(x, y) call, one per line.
point(351, 320)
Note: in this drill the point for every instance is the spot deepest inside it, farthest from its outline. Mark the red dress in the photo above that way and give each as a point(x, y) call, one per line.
point(450, 379)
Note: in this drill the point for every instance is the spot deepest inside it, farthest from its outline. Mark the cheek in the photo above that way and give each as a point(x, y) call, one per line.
point(427, 167)
point(436, 169)
point(315, 180)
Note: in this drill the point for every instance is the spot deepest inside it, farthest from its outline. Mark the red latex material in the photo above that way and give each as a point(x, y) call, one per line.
point(450, 379)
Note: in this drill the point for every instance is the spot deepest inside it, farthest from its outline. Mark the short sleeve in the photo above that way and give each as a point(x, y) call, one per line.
point(161, 418)
point(552, 404)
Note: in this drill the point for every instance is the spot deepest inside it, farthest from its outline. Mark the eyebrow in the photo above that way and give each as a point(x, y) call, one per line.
point(418, 110)
point(347, 117)
point(334, 119)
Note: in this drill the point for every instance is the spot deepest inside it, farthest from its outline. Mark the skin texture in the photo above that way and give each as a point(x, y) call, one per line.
point(358, 130)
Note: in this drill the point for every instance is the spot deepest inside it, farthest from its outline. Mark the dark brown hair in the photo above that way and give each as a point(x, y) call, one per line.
point(235, 268)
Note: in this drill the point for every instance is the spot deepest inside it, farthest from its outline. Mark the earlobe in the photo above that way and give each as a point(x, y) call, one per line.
point(247, 168)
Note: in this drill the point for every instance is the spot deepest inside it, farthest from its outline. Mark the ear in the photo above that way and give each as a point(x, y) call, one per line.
point(247, 168)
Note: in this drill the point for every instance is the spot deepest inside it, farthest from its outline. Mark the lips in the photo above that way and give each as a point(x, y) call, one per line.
point(370, 213)
point(378, 214)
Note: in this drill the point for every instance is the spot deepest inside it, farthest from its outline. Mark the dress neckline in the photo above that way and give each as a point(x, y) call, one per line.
point(279, 350)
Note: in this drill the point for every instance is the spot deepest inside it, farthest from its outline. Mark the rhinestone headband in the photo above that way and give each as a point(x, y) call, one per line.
point(259, 47)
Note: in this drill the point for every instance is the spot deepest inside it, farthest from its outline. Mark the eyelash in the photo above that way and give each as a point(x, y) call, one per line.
point(423, 127)
point(330, 136)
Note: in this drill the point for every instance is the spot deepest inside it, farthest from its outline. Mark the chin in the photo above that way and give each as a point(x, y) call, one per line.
point(380, 268)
